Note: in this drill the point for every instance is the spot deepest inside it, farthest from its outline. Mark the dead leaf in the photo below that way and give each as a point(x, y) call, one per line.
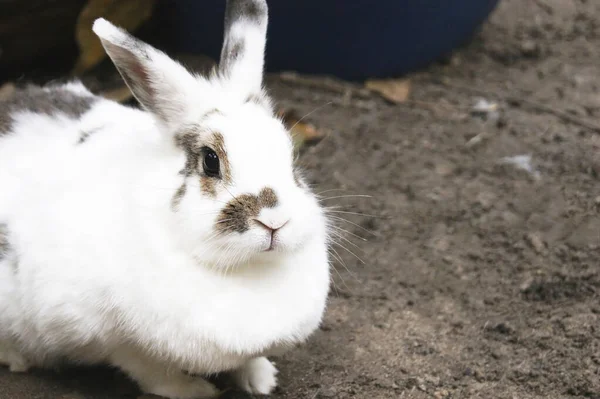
point(302, 132)
point(394, 90)
point(128, 14)
point(120, 94)
point(536, 242)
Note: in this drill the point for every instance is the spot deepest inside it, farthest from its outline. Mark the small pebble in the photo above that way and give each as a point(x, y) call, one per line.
point(530, 48)
point(441, 394)
point(536, 242)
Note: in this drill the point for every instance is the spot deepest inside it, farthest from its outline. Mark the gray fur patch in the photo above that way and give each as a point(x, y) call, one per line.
point(236, 50)
point(4, 244)
point(254, 11)
point(250, 11)
point(84, 135)
point(230, 54)
point(188, 141)
point(49, 101)
point(237, 214)
point(179, 194)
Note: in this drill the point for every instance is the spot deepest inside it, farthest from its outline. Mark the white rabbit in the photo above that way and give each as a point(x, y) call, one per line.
point(169, 242)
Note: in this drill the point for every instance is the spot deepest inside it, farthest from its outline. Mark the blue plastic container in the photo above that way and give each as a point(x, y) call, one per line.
point(352, 39)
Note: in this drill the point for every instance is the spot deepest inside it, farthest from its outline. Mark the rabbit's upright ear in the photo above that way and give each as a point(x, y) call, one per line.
point(159, 83)
point(242, 56)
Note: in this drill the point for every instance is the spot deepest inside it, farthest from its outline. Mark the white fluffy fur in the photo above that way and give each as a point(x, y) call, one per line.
point(102, 269)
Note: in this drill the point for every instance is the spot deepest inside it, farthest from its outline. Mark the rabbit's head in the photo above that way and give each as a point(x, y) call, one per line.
point(240, 199)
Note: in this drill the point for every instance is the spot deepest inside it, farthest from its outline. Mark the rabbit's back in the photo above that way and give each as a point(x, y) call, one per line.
point(72, 100)
point(52, 136)
point(36, 123)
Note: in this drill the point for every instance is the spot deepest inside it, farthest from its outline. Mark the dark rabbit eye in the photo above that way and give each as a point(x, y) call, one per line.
point(211, 164)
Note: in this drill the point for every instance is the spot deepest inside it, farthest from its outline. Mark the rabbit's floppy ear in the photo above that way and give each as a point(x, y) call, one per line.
point(159, 83)
point(242, 55)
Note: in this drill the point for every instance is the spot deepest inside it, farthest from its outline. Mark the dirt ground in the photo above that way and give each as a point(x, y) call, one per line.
point(481, 279)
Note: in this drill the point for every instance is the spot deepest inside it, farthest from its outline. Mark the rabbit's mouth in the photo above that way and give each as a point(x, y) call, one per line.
point(272, 231)
point(272, 243)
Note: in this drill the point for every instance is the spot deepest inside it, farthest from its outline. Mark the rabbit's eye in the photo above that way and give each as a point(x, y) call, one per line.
point(211, 163)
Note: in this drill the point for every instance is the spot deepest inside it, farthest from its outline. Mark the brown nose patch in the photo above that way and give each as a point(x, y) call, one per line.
point(236, 215)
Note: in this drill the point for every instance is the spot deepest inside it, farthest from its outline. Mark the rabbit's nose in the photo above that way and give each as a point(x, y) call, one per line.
point(270, 226)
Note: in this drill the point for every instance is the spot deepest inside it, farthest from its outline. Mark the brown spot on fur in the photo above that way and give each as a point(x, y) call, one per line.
point(192, 143)
point(237, 214)
point(267, 198)
point(217, 143)
point(49, 101)
point(208, 185)
point(178, 196)
point(188, 141)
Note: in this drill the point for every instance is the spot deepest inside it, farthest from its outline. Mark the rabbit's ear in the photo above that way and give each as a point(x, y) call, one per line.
point(159, 83)
point(242, 56)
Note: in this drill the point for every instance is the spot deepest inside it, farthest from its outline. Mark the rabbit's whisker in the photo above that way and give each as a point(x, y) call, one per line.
point(341, 219)
point(310, 113)
point(355, 213)
point(341, 237)
point(345, 266)
point(346, 196)
point(350, 252)
point(348, 232)
point(341, 261)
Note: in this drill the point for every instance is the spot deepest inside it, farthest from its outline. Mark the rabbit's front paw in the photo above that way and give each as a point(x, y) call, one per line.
point(257, 376)
point(157, 378)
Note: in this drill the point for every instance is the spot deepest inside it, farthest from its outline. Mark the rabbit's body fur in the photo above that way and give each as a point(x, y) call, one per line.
point(105, 243)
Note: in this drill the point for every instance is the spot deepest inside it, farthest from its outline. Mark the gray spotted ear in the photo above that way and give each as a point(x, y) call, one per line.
point(159, 83)
point(242, 55)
